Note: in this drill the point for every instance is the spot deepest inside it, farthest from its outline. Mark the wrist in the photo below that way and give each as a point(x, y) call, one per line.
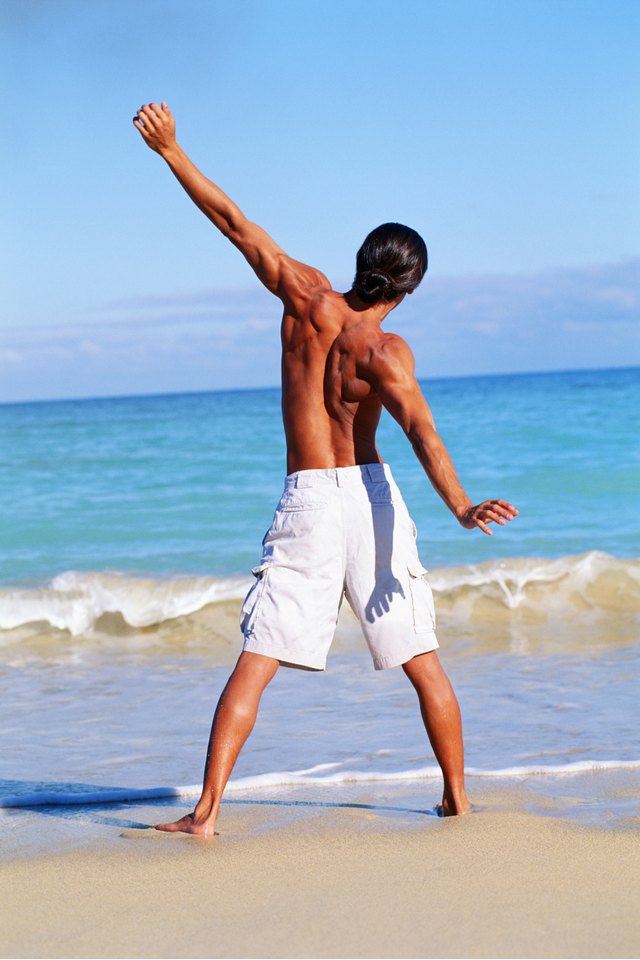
point(171, 153)
point(462, 509)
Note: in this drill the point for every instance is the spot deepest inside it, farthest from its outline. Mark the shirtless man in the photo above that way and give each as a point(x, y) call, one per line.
point(341, 527)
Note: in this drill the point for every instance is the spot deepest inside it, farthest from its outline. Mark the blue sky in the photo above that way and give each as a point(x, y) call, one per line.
point(507, 133)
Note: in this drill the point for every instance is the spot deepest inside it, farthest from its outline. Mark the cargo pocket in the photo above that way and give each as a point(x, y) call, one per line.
point(424, 614)
point(251, 605)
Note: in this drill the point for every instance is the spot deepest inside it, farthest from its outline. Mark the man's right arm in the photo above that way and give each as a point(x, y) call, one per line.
point(280, 274)
point(390, 373)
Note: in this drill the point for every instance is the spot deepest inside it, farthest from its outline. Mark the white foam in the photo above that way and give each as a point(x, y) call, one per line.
point(563, 587)
point(75, 601)
point(592, 579)
point(590, 584)
point(288, 778)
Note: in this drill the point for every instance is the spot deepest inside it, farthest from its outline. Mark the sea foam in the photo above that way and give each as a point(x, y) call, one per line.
point(566, 588)
point(292, 778)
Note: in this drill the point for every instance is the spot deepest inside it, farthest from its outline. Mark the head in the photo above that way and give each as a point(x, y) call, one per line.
point(391, 262)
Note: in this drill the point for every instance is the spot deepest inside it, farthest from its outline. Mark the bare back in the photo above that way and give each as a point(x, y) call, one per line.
point(338, 368)
point(330, 414)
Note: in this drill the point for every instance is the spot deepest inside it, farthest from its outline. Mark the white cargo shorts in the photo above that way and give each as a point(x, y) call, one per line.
point(342, 532)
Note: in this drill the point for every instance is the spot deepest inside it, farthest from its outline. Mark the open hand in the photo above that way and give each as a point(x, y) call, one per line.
point(489, 511)
point(157, 126)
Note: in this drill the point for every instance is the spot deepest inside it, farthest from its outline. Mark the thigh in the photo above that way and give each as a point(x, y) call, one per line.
point(386, 581)
point(291, 611)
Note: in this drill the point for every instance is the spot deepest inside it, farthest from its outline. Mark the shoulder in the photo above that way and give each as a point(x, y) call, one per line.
point(390, 355)
point(395, 349)
point(300, 283)
point(387, 360)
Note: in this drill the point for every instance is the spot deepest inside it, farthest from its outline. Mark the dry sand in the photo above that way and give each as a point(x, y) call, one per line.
point(333, 883)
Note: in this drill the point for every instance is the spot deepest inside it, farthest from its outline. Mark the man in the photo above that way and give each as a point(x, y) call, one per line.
point(341, 527)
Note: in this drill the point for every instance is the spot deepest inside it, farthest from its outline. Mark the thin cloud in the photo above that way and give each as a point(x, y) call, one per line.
point(230, 338)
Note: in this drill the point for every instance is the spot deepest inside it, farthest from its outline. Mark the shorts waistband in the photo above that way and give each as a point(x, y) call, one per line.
point(340, 476)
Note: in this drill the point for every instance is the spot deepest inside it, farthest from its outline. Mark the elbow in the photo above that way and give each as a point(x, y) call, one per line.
point(421, 435)
point(234, 224)
point(237, 221)
point(425, 442)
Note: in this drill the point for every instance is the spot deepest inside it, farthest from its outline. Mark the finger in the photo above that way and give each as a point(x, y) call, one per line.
point(508, 506)
point(490, 516)
point(503, 512)
point(484, 527)
point(156, 110)
point(494, 506)
point(140, 117)
point(149, 118)
point(165, 108)
point(497, 514)
point(136, 123)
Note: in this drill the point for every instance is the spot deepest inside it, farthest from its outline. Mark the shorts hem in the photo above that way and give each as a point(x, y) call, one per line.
point(287, 658)
point(427, 644)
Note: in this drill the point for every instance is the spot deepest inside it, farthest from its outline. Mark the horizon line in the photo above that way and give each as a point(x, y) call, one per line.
point(194, 393)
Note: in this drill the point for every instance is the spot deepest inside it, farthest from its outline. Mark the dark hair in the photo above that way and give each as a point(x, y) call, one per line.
point(391, 261)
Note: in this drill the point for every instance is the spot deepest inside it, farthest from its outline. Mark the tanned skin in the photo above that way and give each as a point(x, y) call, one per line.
point(339, 369)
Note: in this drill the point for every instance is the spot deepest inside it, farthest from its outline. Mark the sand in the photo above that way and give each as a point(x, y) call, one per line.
point(333, 882)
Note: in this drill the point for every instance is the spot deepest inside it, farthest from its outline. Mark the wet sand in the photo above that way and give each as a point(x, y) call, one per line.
point(288, 880)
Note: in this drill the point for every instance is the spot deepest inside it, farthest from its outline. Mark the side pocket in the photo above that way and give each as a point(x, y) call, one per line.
point(424, 613)
point(251, 605)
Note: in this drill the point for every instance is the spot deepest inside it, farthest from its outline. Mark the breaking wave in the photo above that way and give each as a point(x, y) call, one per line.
point(564, 588)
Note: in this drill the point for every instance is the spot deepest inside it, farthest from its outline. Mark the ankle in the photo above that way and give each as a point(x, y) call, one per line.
point(455, 800)
point(205, 809)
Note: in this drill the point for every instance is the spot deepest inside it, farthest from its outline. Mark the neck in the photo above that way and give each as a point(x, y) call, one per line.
point(376, 311)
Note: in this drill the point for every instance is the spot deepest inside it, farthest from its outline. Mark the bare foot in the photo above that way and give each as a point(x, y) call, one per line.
point(450, 809)
point(201, 826)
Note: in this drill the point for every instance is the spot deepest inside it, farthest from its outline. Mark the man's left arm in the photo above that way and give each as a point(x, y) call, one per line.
point(390, 372)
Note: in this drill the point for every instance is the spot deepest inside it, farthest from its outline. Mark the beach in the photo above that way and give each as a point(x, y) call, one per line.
point(342, 882)
point(134, 526)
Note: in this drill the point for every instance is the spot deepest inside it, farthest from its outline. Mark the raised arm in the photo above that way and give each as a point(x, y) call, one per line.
point(281, 275)
point(390, 373)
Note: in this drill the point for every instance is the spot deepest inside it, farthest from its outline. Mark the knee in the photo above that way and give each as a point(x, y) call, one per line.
point(239, 709)
point(246, 684)
point(425, 668)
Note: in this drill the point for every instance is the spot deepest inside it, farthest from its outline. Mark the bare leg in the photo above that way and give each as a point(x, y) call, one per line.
point(441, 716)
point(233, 721)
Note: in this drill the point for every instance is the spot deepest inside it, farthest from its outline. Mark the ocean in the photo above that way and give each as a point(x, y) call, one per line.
point(129, 528)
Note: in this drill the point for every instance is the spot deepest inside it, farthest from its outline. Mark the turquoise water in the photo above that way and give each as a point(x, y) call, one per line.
point(187, 484)
point(129, 528)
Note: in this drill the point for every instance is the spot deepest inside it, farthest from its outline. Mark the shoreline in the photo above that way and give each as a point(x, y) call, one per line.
point(605, 799)
point(296, 880)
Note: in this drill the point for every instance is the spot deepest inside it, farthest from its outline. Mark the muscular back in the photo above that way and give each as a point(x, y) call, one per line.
point(330, 413)
point(338, 367)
